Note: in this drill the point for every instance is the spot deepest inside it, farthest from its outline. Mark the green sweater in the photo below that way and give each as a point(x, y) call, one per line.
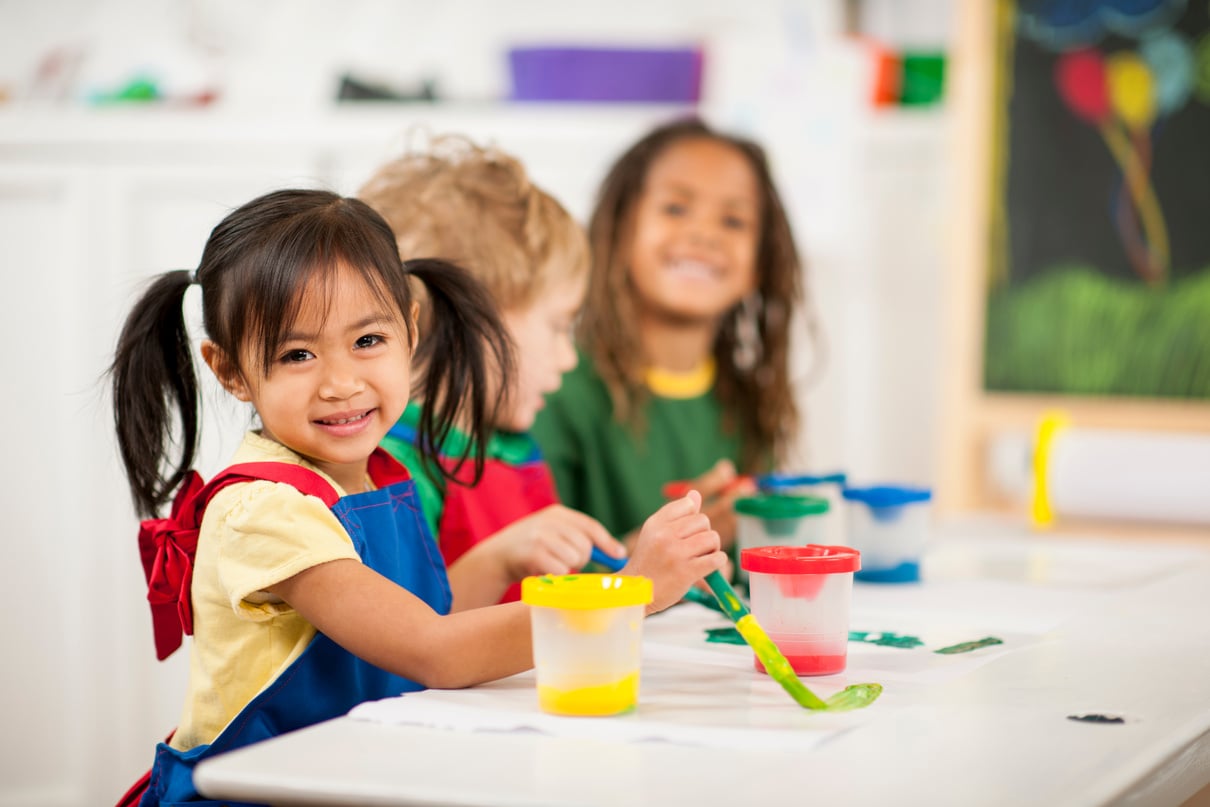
point(609, 471)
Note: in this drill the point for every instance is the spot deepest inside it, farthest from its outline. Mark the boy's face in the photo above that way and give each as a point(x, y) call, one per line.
point(542, 337)
point(696, 229)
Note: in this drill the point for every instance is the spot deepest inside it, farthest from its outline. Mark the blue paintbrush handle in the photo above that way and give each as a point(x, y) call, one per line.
point(608, 561)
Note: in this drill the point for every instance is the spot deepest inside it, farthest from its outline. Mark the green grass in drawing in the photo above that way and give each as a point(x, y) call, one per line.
point(1073, 330)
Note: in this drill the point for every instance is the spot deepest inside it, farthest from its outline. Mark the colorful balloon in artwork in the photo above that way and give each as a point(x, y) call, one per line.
point(1131, 89)
point(1171, 61)
point(1080, 77)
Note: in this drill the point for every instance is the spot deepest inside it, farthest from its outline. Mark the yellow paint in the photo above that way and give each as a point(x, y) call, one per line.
point(590, 622)
point(603, 699)
point(1131, 89)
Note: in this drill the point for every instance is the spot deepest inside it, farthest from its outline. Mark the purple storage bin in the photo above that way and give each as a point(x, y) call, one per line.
point(661, 75)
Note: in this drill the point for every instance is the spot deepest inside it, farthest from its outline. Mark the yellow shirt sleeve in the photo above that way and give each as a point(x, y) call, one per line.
point(267, 533)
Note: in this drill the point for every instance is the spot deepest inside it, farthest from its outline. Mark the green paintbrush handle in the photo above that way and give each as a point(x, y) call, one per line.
point(728, 600)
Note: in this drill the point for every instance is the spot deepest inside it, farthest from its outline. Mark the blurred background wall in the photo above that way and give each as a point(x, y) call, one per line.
point(129, 127)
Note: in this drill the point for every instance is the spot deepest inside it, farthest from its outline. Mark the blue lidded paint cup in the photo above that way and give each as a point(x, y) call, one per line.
point(888, 524)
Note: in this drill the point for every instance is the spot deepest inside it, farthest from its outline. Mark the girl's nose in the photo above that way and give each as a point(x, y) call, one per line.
point(702, 230)
point(340, 381)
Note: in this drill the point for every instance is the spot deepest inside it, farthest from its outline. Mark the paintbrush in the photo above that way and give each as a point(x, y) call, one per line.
point(856, 696)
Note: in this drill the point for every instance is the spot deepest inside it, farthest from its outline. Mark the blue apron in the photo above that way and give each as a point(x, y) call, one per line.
point(326, 681)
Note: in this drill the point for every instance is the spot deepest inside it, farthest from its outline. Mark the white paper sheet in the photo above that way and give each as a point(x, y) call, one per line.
point(680, 701)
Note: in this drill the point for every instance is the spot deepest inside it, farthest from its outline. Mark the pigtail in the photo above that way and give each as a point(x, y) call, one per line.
point(454, 360)
point(152, 371)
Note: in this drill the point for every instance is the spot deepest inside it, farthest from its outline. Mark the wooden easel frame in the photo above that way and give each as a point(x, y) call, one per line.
point(973, 417)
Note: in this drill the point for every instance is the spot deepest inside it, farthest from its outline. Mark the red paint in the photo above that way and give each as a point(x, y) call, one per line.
point(678, 488)
point(800, 586)
point(813, 664)
point(1080, 77)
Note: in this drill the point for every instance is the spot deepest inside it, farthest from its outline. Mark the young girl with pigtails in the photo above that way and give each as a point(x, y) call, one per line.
point(304, 570)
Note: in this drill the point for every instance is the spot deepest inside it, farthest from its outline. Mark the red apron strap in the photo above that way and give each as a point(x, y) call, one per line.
point(168, 546)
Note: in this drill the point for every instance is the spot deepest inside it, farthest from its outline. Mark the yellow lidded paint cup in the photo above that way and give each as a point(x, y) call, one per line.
point(587, 631)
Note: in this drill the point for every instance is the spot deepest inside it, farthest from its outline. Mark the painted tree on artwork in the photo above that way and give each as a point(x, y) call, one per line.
point(1100, 270)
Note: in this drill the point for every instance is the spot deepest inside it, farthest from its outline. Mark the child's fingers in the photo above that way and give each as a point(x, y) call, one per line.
point(549, 561)
point(686, 505)
point(703, 565)
point(701, 543)
point(716, 480)
point(596, 534)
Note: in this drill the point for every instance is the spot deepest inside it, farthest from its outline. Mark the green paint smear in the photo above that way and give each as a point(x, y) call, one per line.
point(966, 647)
point(702, 598)
point(884, 639)
point(857, 696)
point(724, 636)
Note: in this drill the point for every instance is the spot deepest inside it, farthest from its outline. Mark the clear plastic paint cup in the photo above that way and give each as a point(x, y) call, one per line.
point(889, 525)
point(821, 486)
point(800, 596)
point(587, 631)
point(771, 519)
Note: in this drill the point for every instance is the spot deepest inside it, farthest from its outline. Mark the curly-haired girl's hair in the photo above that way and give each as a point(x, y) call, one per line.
point(757, 398)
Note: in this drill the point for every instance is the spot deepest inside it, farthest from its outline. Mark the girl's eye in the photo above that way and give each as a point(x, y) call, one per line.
point(674, 209)
point(294, 356)
point(369, 340)
point(735, 223)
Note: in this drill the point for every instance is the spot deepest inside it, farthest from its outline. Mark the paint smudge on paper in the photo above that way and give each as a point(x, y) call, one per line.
point(724, 636)
point(1097, 718)
point(884, 638)
point(966, 647)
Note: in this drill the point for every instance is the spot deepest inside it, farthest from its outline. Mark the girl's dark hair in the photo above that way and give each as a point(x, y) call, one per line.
point(758, 400)
point(254, 267)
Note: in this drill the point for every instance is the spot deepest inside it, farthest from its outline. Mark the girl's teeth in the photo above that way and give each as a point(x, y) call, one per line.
point(342, 421)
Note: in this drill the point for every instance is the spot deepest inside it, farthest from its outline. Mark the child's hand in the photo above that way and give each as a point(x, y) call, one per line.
point(554, 540)
point(676, 548)
point(720, 487)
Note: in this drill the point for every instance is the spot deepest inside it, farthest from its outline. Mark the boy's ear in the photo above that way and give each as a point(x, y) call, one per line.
point(225, 371)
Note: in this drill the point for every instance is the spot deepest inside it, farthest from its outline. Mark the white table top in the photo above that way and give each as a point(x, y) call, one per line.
point(1088, 627)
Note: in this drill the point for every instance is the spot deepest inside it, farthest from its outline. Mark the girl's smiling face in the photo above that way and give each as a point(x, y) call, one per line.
point(339, 379)
point(695, 231)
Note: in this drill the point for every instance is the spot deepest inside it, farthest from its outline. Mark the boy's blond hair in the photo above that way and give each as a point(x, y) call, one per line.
point(476, 207)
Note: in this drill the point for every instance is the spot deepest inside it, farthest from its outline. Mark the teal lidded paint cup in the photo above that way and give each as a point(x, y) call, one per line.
point(819, 485)
point(773, 519)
